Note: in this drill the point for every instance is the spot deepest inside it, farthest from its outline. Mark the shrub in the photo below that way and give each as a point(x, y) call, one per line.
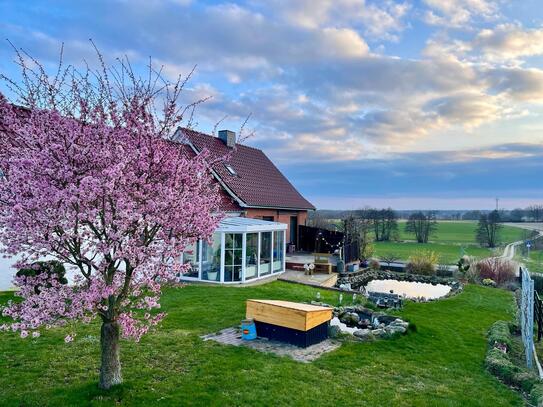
point(499, 365)
point(499, 332)
point(423, 262)
point(500, 270)
point(489, 282)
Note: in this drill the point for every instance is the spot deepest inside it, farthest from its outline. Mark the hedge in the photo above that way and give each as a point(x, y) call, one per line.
point(499, 364)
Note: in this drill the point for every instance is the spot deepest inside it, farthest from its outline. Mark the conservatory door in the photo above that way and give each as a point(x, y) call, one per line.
point(278, 250)
point(251, 256)
point(265, 253)
point(233, 256)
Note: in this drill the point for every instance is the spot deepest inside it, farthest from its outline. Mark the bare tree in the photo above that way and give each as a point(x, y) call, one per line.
point(422, 225)
point(488, 229)
point(317, 220)
point(357, 227)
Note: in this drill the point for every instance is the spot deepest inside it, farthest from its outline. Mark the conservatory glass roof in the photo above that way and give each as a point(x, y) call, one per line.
point(239, 224)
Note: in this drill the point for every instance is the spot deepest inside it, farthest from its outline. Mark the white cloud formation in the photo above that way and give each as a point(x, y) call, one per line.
point(459, 13)
point(508, 41)
point(311, 81)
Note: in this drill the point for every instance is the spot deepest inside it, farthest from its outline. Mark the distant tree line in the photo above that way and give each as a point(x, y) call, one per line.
point(532, 213)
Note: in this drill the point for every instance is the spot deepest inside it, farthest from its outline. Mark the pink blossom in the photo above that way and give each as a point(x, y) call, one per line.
point(94, 176)
point(35, 334)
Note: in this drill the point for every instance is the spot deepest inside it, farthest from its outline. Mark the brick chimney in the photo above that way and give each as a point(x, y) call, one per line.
point(228, 137)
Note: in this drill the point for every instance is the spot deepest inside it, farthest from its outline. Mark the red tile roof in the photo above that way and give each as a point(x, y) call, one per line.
point(258, 183)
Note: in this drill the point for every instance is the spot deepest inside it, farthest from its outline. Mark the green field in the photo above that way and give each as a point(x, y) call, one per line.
point(448, 253)
point(447, 241)
point(462, 232)
point(439, 364)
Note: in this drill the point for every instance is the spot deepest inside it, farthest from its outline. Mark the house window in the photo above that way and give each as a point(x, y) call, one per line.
point(231, 170)
point(233, 252)
point(268, 218)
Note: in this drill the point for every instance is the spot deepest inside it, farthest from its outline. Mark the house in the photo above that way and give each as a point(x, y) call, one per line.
point(252, 186)
point(264, 211)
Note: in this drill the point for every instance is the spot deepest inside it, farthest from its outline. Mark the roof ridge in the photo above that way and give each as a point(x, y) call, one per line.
point(215, 137)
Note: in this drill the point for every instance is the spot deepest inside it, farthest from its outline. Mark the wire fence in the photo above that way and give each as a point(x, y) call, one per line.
point(527, 314)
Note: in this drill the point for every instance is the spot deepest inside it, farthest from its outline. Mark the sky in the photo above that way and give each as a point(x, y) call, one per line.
point(412, 104)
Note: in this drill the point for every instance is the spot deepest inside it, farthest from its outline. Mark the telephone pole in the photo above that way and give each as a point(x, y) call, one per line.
point(497, 203)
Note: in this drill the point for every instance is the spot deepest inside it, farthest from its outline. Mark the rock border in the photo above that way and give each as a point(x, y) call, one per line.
point(363, 278)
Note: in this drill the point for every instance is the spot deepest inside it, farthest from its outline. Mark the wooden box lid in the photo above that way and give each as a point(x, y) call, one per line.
point(289, 314)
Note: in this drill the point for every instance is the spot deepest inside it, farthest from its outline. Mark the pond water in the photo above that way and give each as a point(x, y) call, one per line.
point(409, 289)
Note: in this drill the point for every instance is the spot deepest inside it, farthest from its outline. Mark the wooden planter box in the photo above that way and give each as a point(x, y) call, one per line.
point(291, 322)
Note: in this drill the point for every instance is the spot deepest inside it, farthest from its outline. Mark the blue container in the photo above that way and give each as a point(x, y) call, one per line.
point(248, 330)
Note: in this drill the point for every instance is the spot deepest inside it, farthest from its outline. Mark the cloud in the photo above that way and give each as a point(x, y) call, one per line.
point(509, 41)
point(460, 13)
point(379, 20)
point(307, 72)
point(519, 84)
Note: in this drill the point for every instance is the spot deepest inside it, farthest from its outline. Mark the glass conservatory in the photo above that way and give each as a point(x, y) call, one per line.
point(241, 250)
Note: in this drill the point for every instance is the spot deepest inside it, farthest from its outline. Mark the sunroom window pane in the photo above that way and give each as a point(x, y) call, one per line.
point(211, 259)
point(265, 253)
point(278, 251)
point(251, 256)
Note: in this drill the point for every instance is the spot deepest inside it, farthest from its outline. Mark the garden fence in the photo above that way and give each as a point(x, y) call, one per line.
point(527, 314)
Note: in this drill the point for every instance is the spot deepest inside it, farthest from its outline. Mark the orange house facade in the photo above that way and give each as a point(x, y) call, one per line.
point(251, 185)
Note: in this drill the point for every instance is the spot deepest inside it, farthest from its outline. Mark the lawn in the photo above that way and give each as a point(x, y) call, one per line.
point(439, 364)
point(448, 253)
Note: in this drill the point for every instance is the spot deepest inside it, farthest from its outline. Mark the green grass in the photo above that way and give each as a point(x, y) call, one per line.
point(462, 232)
point(441, 364)
point(448, 253)
point(535, 262)
point(447, 241)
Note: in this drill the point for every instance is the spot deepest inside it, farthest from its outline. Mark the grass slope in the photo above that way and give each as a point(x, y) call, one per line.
point(441, 364)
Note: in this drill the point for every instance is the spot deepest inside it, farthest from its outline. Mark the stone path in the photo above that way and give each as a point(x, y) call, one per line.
point(232, 336)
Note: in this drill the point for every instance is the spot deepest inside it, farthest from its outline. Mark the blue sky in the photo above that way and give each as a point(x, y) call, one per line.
point(412, 104)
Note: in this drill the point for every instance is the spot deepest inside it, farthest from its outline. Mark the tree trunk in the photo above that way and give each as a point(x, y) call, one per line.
point(110, 370)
